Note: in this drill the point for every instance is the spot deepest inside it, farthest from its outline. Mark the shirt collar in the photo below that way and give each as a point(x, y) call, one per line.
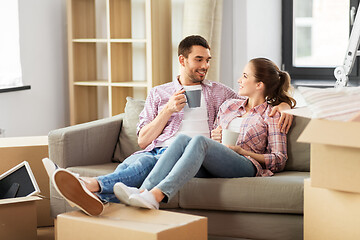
point(178, 86)
point(259, 108)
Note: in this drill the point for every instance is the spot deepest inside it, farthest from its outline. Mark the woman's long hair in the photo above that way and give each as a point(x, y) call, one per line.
point(277, 82)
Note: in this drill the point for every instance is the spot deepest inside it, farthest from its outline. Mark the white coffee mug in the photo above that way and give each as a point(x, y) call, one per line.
point(229, 137)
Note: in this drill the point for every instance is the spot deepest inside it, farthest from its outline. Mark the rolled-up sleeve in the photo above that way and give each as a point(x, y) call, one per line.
point(150, 111)
point(276, 156)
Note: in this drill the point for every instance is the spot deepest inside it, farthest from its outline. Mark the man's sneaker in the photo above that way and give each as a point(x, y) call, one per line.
point(50, 166)
point(144, 200)
point(74, 191)
point(123, 192)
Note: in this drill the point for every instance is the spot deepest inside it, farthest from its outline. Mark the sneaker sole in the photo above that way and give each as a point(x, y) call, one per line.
point(76, 195)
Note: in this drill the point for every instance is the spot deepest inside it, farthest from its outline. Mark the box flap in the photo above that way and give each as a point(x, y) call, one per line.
point(19, 199)
point(301, 112)
point(331, 132)
point(23, 141)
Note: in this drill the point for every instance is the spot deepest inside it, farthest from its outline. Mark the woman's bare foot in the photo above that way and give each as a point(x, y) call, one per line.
point(91, 184)
point(158, 194)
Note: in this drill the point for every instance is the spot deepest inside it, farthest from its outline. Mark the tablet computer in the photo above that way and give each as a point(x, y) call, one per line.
point(18, 182)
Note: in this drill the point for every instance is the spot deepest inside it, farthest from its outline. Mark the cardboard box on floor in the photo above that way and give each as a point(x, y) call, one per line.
point(18, 219)
point(124, 222)
point(31, 149)
point(335, 153)
point(330, 214)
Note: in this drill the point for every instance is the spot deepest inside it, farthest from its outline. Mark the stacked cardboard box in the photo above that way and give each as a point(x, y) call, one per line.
point(18, 218)
point(31, 149)
point(332, 195)
point(124, 222)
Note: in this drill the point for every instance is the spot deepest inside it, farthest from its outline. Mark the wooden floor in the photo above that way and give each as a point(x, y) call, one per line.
point(46, 233)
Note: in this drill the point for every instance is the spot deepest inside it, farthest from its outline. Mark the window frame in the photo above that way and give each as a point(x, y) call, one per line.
point(309, 76)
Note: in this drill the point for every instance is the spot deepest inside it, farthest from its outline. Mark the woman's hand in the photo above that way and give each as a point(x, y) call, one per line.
point(216, 134)
point(237, 149)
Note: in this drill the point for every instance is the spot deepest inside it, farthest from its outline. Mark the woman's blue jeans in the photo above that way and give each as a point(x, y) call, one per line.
point(184, 157)
point(132, 172)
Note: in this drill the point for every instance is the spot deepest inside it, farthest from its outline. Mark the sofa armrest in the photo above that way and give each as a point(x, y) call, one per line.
point(85, 144)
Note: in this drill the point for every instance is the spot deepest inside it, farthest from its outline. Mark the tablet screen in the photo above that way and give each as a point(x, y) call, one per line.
point(18, 182)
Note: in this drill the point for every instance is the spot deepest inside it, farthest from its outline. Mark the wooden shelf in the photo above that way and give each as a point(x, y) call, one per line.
point(92, 83)
point(94, 40)
point(111, 45)
point(130, 84)
point(89, 40)
point(114, 84)
point(128, 40)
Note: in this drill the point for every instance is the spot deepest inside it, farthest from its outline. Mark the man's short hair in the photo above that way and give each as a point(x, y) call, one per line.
point(187, 43)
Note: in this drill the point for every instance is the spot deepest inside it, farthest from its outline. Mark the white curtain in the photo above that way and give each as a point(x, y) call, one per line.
point(204, 18)
point(10, 67)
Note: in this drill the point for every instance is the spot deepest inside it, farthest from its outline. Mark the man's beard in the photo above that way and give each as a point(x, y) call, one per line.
point(194, 78)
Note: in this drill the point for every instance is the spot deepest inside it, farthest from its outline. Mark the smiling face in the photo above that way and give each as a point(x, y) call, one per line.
point(195, 66)
point(248, 85)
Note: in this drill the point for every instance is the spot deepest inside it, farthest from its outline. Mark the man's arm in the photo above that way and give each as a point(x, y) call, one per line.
point(285, 119)
point(152, 130)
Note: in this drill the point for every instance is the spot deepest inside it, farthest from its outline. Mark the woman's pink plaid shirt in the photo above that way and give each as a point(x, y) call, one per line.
point(259, 133)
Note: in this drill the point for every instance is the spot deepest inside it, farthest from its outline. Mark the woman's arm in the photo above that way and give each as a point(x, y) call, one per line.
point(258, 157)
point(276, 148)
point(275, 157)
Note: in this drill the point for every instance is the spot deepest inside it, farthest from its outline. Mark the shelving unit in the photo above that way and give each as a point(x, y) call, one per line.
point(116, 49)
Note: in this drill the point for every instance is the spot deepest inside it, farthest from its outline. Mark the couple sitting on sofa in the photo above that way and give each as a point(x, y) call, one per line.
point(181, 142)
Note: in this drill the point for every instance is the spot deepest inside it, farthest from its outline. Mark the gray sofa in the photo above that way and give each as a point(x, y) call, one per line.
point(250, 208)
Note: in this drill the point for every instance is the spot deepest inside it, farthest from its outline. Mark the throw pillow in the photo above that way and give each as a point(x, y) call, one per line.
point(127, 143)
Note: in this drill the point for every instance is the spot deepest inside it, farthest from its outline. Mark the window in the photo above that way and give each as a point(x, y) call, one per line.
point(10, 67)
point(315, 39)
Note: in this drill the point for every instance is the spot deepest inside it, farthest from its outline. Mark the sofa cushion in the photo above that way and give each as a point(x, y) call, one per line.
point(94, 170)
point(298, 153)
point(127, 144)
point(281, 193)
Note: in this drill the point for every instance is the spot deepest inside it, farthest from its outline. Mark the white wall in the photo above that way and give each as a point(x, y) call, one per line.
point(251, 28)
point(43, 50)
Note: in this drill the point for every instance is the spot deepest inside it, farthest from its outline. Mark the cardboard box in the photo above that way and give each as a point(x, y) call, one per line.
point(32, 149)
point(18, 218)
point(124, 222)
point(330, 214)
point(335, 154)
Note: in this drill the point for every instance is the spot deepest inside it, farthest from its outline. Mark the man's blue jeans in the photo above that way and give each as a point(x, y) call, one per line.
point(184, 157)
point(132, 172)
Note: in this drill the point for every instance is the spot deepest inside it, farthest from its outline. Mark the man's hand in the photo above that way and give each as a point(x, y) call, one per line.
point(152, 130)
point(285, 119)
point(216, 134)
point(176, 102)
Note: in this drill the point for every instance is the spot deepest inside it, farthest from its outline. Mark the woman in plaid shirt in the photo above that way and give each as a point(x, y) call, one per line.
point(260, 149)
